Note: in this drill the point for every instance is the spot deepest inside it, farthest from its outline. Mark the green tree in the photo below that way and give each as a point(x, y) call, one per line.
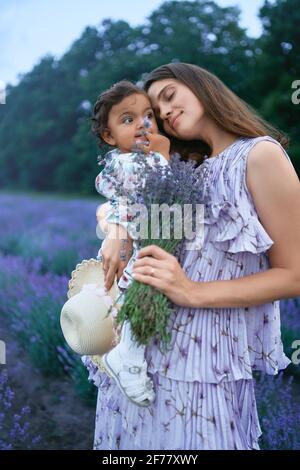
point(277, 67)
point(45, 137)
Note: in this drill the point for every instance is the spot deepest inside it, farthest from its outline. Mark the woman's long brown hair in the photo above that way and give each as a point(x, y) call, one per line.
point(222, 106)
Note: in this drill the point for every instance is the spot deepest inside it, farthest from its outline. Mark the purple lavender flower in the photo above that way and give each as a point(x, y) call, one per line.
point(15, 431)
point(147, 123)
point(279, 412)
point(177, 184)
point(55, 233)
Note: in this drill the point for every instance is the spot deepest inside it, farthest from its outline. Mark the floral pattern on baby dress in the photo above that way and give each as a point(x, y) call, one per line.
point(126, 172)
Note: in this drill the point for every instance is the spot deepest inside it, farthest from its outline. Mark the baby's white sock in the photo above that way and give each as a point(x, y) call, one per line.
point(127, 346)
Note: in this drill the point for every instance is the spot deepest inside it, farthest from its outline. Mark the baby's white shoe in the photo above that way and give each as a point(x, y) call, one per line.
point(131, 378)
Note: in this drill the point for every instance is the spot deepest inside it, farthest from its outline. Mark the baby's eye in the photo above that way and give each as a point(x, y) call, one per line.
point(126, 119)
point(150, 115)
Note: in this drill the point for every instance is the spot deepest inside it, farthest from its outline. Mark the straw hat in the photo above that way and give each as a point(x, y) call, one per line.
point(84, 320)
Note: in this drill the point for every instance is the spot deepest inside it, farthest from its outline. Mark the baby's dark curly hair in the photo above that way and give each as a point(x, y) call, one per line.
point(105, 101)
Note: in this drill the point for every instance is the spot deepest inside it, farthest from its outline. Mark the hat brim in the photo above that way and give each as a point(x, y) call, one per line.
point(89, 272)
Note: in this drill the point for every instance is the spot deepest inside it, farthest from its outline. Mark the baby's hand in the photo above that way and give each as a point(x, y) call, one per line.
point(157, 143)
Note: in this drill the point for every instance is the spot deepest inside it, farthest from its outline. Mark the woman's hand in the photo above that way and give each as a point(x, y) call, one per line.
point(161, 270)
point(116, 251)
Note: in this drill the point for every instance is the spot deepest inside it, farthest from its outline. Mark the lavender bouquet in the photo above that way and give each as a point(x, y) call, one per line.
point(178, 188)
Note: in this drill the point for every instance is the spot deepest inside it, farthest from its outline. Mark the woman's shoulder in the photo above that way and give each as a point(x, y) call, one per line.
point(266, 151)
point(247, 153)
point(262, 148)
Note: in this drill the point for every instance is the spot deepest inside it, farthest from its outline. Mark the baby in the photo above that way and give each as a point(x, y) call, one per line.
point(124, 120)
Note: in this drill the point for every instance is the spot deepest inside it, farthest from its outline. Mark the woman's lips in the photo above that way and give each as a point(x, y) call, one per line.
point(176, 120)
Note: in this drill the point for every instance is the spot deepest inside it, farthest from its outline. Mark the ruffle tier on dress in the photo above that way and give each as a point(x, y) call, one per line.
point(185, 415)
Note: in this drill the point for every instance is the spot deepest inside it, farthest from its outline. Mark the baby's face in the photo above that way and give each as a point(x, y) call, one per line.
point(127, 120)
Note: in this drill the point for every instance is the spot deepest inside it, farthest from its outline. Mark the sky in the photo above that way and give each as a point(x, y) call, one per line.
point(30, 29)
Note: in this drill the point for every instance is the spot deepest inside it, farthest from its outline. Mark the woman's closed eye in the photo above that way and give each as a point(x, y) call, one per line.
point(168, 98)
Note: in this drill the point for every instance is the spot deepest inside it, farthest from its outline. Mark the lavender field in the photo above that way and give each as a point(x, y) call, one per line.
point(46, 401)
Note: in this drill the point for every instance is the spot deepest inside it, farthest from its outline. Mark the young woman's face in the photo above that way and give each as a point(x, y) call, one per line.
point(177, 107)
point(125, 122)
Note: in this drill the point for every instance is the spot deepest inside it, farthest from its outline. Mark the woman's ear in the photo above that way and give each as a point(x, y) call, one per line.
point(107, 137)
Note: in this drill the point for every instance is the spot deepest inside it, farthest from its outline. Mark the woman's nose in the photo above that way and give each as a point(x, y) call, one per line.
point(165, 112)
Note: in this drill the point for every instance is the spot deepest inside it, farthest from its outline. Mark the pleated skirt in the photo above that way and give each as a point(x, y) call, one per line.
point(184, 416)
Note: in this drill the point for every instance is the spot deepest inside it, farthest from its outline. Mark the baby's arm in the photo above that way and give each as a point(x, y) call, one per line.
point(118, 182)
point(101, 214)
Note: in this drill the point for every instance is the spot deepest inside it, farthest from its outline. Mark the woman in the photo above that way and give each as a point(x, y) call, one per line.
point(227, 321)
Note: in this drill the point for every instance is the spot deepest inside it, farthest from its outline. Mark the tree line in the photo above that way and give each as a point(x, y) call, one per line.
point(45, 138)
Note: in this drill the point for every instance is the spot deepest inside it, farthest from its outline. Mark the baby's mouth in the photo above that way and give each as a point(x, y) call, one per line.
point(142, 142)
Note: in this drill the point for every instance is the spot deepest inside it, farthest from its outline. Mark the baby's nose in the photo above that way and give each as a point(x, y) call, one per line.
point(141, 123)
point(141, 133)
